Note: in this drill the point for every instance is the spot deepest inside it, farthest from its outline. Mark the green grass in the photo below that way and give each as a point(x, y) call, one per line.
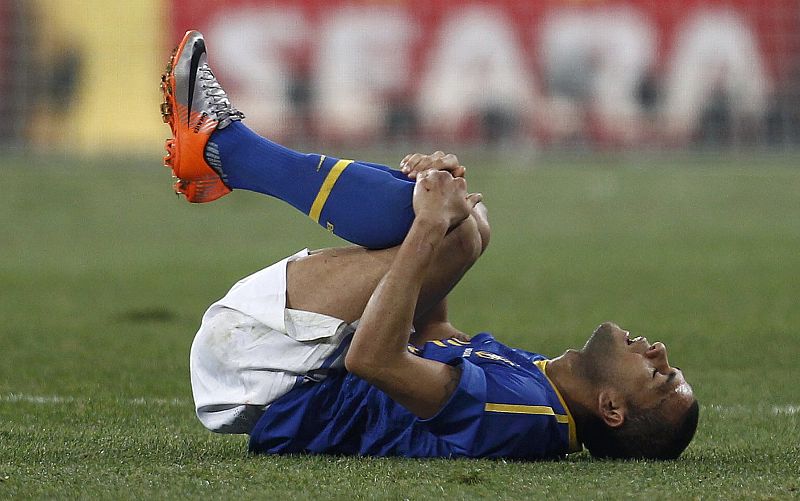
point(105, 274)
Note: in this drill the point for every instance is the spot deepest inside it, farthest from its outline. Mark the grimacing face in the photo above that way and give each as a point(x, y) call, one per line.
point(636, 368)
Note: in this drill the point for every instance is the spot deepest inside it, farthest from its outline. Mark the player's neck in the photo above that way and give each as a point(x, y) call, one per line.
point(576, 391)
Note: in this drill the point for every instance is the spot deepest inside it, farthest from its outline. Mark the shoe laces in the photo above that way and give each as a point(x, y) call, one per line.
point(218, 102)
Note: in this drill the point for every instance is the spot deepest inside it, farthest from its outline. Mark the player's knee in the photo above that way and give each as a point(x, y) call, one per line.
point(466, 241)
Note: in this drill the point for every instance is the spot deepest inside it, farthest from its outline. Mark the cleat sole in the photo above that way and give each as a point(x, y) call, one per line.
point(194, 179)
point(166, 112)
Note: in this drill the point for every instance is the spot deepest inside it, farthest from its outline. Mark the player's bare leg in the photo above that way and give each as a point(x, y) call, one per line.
point(338, 282)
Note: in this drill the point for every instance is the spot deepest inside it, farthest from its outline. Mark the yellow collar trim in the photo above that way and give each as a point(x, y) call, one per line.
point(574, 445)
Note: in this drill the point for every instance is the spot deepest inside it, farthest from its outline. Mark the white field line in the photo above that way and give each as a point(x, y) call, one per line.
point(57, 399)
point(788, 409)
point(10, 398)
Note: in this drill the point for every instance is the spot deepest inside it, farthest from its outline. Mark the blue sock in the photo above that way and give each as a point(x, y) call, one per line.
point(366, 204)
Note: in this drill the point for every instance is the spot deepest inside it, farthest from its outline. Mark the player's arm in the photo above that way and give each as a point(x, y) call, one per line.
point(378, 351)
point(434, 325)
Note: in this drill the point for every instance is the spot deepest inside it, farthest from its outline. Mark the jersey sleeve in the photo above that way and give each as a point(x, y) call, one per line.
point(459, 420)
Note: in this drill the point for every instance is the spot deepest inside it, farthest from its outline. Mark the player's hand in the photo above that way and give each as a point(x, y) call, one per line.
point(415, 163)
point(460, 336)
point(438, 195)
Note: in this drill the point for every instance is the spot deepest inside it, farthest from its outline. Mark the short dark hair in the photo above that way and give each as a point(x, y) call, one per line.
point(645, 434)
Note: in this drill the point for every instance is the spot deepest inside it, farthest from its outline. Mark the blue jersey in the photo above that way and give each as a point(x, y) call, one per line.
point(504, 406)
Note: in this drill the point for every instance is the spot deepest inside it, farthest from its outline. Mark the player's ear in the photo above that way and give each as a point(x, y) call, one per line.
point(611, 407)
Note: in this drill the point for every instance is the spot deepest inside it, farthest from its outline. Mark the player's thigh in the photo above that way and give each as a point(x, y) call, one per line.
point(338, 281)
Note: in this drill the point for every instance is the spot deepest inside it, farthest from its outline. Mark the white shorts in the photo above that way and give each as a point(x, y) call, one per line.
point(251, 350)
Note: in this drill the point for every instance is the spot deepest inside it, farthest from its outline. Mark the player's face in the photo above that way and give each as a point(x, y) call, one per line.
point(636, 368)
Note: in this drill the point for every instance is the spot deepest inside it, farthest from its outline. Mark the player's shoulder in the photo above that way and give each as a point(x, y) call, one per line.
point(482, 349)
point(486, 342)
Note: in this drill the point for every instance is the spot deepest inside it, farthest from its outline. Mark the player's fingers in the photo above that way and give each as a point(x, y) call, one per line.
point(440, 175)
point(433, 161)
point(455, 171)
point(416, 164)
point(426, 175)
point(439, 160)
point(451, 161)
point(424, 162)
point(474, 199)
point(448, 162)
point(459, 184)
point(461, 337)
point(411, 162)
point(439, 179)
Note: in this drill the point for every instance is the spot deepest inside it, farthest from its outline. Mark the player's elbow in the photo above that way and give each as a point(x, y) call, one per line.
point(353, 362)
point(368, 358)
point(366, 367)
point(360, 363)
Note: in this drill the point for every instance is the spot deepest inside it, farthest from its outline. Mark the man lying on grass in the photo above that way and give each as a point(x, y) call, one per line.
point(350, 350)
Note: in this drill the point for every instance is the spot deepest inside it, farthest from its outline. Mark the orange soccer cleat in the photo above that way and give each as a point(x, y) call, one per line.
point(194, 106)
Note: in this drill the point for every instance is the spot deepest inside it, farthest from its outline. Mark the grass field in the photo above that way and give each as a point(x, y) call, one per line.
point(105, 274)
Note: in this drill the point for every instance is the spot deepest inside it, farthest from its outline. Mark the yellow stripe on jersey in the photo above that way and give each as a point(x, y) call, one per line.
point(541, 410)
point(574, 445)
point(325, 189)
point(439, 343)
point(456, 342)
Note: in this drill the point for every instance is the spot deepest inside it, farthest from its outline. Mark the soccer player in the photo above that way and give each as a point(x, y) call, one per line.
point(350, 350)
